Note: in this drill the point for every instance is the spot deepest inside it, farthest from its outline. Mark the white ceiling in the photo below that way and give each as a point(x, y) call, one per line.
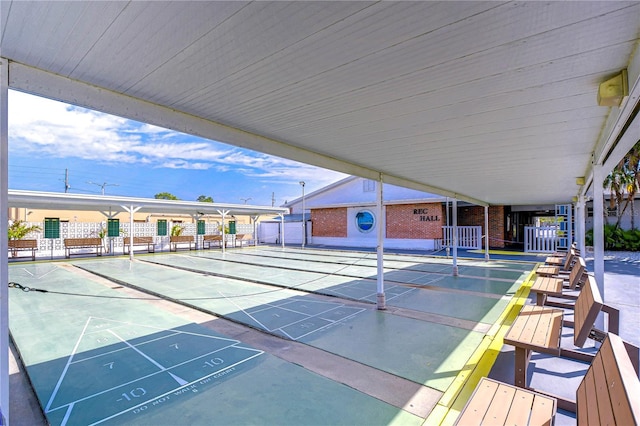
point(492, 102)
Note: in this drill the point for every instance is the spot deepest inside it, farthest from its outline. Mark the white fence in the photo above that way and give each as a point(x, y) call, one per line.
point(54, 247)
point(469, 237)
point(540, 239)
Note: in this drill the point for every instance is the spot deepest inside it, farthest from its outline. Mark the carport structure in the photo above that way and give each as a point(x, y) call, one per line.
point(110, 206)
point(486, 102)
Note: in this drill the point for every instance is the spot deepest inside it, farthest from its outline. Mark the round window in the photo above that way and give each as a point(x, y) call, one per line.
point(365, 221)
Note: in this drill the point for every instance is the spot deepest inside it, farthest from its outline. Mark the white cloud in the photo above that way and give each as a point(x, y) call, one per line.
point(46, 127)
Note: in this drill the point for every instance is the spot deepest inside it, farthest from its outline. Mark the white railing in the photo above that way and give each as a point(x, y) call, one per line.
point(469, 237)
point(540, 239)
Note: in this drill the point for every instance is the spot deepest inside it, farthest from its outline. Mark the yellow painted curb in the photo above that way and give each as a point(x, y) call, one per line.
point(480, 363)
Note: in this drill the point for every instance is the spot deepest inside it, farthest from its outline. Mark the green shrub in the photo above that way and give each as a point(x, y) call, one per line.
point(617, 239)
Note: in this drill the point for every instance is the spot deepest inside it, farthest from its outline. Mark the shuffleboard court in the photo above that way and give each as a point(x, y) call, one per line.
point(432, 358)
point(402, 262)
point(411, 273)
point(460, 297)
point(96, 355)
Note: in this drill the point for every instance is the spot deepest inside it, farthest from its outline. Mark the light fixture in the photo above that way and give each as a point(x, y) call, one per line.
point(580, 181)
point(614, 90)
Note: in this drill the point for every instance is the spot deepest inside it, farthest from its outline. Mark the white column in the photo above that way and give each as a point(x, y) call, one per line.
point(598, 227)
point(282, 230)
point(255, 229)
point(304, 222)
point(381, 222)
point(131, 210)
point(454, 230)
point(581, 215)
point(223, 213)
point(486, 233)
point(4, 261)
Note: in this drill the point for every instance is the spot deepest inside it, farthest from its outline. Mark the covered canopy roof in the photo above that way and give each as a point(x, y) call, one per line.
point(65, 201)
point(489, 102)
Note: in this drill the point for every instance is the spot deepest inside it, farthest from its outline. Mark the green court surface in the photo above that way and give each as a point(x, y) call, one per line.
point(107, 358)
point(95, 355)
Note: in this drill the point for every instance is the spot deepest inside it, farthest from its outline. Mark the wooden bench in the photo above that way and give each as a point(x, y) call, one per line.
point(82, 243)
point(174, 240)
point(209, 240)
point(539, 328)
point(242, 238)
point(16, 246)
point(565, 262)
point(140, 241)
point(545, 286)
point(607, 394)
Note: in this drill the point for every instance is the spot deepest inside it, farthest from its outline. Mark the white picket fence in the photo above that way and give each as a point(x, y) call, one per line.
point(540, 239)
point(469, 237)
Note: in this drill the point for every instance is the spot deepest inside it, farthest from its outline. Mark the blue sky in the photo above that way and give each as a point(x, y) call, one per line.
point(47, 137)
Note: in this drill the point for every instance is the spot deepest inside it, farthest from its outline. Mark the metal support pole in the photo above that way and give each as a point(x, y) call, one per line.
point(382, 304)
point(598, 233)
point(304, 224)
point(454, 231)
point(282, 229)
point(447, 240)
point(486, 233)
point(4, 261)
point(131, 211)
point(580, 224)
point(223, 213)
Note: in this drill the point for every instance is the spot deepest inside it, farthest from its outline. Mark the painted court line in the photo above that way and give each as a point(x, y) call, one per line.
point(181, 383)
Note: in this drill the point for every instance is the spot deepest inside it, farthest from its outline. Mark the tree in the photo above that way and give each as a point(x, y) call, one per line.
point(624, 182)
point(205, 199)
point(165, 196)
point(19, 229)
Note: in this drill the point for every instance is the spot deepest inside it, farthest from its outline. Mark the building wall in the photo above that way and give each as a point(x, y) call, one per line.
point(329, 222)
point(474, 216)
point(415, 221)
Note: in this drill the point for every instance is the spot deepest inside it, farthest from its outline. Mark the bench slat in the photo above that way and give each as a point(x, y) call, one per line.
point(605, 411)
point(535, 328)
point(499, 409)
point(479, 403)
point(616, 373)
point(542, 412)
point(520, 408)
point(497, 403)
point(587, 308)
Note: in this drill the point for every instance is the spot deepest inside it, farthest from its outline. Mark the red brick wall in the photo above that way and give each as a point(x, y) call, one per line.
point(329, 222)
point(414, 221)
point(474, 216)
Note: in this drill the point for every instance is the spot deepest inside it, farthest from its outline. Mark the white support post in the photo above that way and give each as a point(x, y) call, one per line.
point(382, 304)
point(196, 218)
point(281, 229)
point(580, 224)
point(486, 233)
point(4, 261)
point(598, 231)
point(223, 213)
point(131, 210)
point(446, 238)
point(454, 230)
point(255, 229)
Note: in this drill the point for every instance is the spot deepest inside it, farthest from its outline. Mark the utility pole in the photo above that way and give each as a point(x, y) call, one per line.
point(66, 181)
point(273, 199)
point(102, 185)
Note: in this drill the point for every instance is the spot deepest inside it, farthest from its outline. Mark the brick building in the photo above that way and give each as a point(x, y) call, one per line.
point(344, 214)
